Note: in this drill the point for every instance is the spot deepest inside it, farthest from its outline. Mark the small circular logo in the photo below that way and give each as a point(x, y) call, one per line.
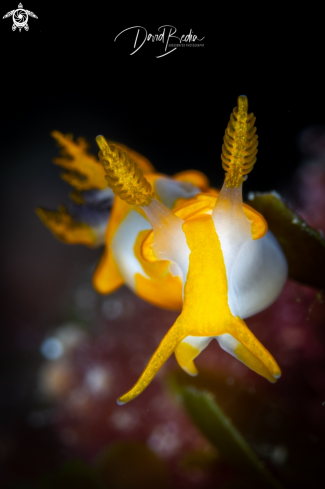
point(20, 18)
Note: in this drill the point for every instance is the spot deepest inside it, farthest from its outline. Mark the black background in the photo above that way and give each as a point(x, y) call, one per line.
point(67, 73)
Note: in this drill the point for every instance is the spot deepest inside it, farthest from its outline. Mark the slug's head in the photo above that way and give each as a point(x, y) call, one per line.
point(168, 240)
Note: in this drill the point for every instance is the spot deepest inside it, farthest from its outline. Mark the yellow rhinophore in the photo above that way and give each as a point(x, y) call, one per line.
point(181, 245)
point(240, 144)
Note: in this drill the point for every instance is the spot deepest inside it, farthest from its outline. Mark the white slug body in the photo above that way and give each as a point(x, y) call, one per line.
point(151, 250)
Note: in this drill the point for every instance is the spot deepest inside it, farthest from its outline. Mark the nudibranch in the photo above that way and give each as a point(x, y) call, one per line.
point(181, 245)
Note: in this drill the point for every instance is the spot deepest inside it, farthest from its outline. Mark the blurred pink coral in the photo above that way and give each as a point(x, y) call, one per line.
point(311, 177)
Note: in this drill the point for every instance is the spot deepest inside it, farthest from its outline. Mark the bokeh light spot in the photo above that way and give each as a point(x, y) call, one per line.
point(51, 348)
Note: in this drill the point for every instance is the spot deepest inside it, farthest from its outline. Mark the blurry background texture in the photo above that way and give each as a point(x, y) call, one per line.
point(67, 352)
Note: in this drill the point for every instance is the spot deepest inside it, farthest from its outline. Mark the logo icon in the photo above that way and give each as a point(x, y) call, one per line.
point(20, 18)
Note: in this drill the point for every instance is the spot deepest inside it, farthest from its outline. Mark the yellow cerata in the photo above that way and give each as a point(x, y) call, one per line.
point(179, 245)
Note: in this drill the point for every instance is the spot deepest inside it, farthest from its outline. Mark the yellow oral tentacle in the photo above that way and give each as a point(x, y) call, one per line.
point(252, 353)
point(161, 355)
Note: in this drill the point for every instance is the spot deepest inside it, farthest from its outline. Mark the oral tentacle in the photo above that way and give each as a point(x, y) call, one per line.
point(161, 355)
point(251, 352)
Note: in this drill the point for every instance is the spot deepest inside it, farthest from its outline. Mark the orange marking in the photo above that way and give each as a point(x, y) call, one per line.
point(107, 276)
point(195, 177)
point(162, 289)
